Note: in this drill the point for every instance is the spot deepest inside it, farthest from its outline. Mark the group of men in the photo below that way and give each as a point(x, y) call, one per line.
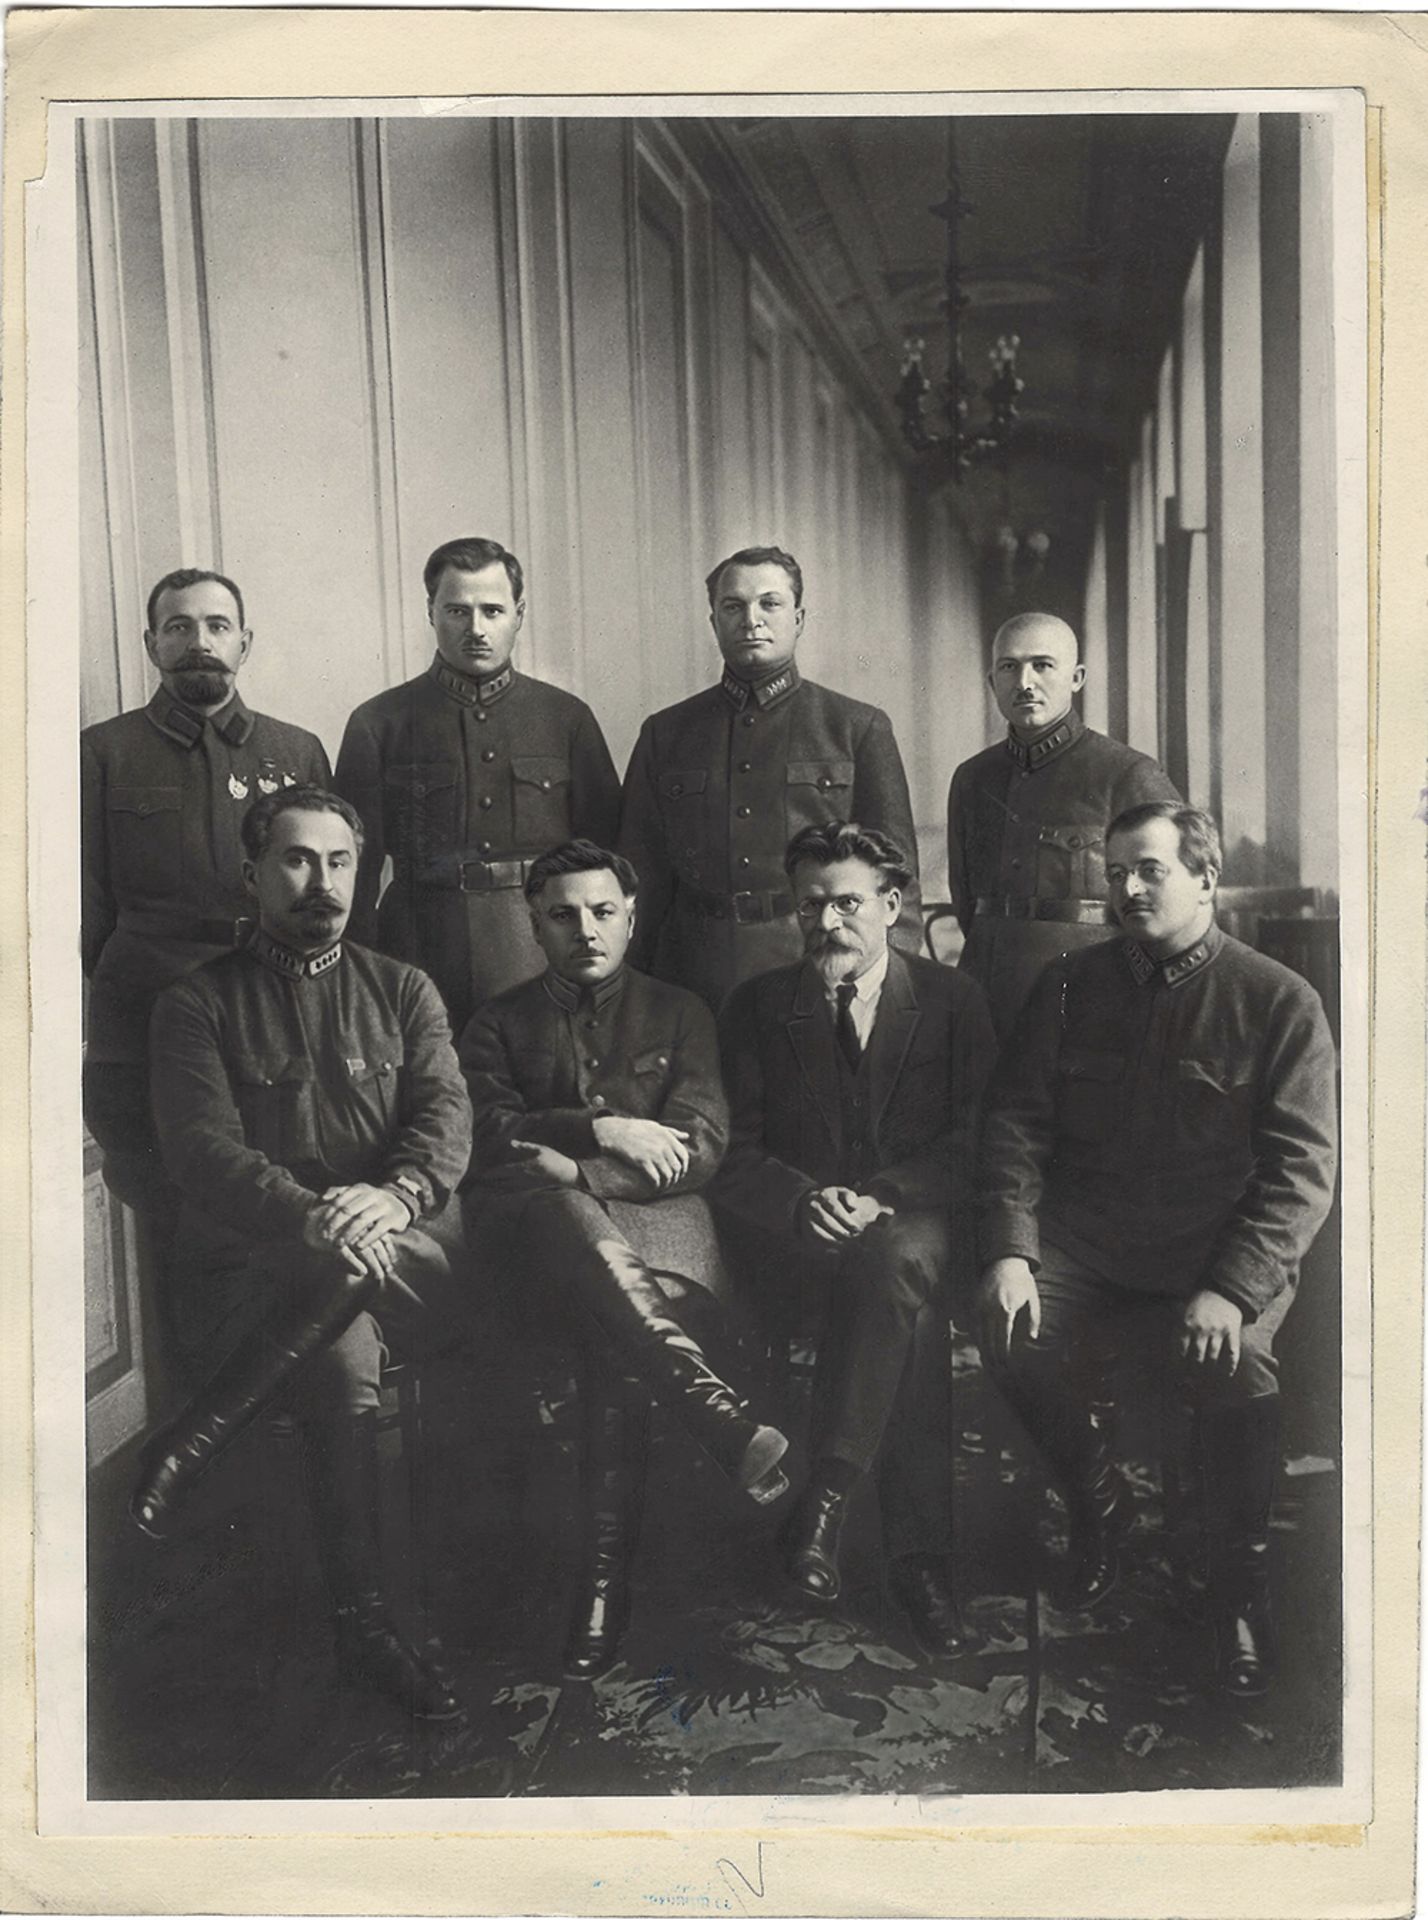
point(1132, 1141)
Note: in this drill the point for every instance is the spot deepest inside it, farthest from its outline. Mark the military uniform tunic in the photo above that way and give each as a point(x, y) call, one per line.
point(164, 794)
point(1170, 1126)
point(276, 1077)
point(717, 787)
point(463, 782)
point(1026, 845)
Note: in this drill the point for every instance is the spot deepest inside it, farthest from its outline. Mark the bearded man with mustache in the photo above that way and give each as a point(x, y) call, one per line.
point(854, 1079)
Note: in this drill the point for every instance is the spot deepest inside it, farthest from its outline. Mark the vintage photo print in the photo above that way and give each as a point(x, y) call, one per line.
point(632, 1413)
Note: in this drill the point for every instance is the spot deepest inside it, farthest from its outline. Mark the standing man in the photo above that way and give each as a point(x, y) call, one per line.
point(164, 788)
point(1026, 818)
point(599, 1117)
point(312, 1114)
point(718, 785)
point(1158, 1155)
point(462, 776)
point(854, 1080)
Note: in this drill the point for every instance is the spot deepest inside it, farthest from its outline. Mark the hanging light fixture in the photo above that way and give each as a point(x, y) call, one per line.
point(961, 442)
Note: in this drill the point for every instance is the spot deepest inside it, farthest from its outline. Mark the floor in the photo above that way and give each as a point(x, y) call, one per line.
point(212, 1674)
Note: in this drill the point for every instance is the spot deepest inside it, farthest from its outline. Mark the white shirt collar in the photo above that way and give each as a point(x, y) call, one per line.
point(867, 985)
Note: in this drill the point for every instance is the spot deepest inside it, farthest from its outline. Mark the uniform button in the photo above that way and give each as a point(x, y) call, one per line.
point(592, 1024)
point(824, 781)
point(486, 803)
point(545, 786)
point(746, 766)
point(663, 1060)
point(676, 790)
point(418, 789)
point(744, 812)
point(744, 860)
point(488, 754)
point(593, 1061)
point(598, 1100)
point(1074, 841)
point(483, 846)
point(479, 717)
point(748, 719)
point(1016, 866)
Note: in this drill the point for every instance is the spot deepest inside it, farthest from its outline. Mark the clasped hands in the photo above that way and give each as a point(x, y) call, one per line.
point(358, 1222)
point(1208, 1332)
point(836, 1215)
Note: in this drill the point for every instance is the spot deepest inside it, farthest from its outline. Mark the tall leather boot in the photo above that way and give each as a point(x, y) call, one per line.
point(1077, 1440)
point(617, 1417)
point(340, 1469)
point(249, 1379)
point(1240, 1451)
point(626, 1301)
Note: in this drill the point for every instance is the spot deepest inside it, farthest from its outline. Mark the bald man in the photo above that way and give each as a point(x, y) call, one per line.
point(1026, 818)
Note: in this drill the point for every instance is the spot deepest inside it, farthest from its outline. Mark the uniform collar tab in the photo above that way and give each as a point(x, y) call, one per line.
point(569, 995)
point(468, 691)
point(293, 966)
point(761, 693)
point(180, 723)
point(1179, 967)
point(1029, 754)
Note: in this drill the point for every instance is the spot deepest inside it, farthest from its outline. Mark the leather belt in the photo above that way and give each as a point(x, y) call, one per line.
point(743, 908)
point(455, 874)
point(183, 926)
point(1075, 913)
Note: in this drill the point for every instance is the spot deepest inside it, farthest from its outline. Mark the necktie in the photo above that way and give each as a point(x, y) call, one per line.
point(848, 1040)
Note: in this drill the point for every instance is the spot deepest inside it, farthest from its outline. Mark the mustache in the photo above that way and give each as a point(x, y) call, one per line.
point(326, 900)
point(195, 662)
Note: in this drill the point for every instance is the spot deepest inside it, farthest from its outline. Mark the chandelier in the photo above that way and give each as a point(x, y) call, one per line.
point(961, 442)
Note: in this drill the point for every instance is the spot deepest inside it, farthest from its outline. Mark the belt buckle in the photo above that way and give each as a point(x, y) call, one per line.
point(482, 883)
point(748, 907)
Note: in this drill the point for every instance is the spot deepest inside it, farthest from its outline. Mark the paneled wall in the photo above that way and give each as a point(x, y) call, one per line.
point(1212, 594)
point(316, 348)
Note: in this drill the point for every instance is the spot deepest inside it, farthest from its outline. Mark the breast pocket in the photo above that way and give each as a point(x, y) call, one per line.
point(1090, 1094)
point(374, 1083)
point(419, 808)
point(145, 840)
point(1070, 863)
point(817, 790)
point(651, 1069)
point(1212, 1107)
point(274, 1095)
point(682, 792)
point(541, 786)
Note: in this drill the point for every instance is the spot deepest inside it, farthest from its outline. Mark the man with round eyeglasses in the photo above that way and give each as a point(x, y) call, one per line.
point(854, 1079)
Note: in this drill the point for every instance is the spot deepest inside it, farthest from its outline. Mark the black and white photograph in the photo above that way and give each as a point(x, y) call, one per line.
point(720, 1080)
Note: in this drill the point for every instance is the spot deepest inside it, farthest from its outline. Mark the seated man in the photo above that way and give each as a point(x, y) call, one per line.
point(1157, 1158)
point(598, 1115)
point(854, 1079)
point(311, 1112)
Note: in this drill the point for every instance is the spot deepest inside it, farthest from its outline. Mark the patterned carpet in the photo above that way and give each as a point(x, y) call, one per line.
point(212, 1675)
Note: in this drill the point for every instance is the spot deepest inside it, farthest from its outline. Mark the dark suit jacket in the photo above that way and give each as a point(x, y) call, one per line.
point(929, 1056)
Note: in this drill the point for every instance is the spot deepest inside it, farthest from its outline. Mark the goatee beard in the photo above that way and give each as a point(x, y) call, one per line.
point(202, 687)
point(834, 963)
